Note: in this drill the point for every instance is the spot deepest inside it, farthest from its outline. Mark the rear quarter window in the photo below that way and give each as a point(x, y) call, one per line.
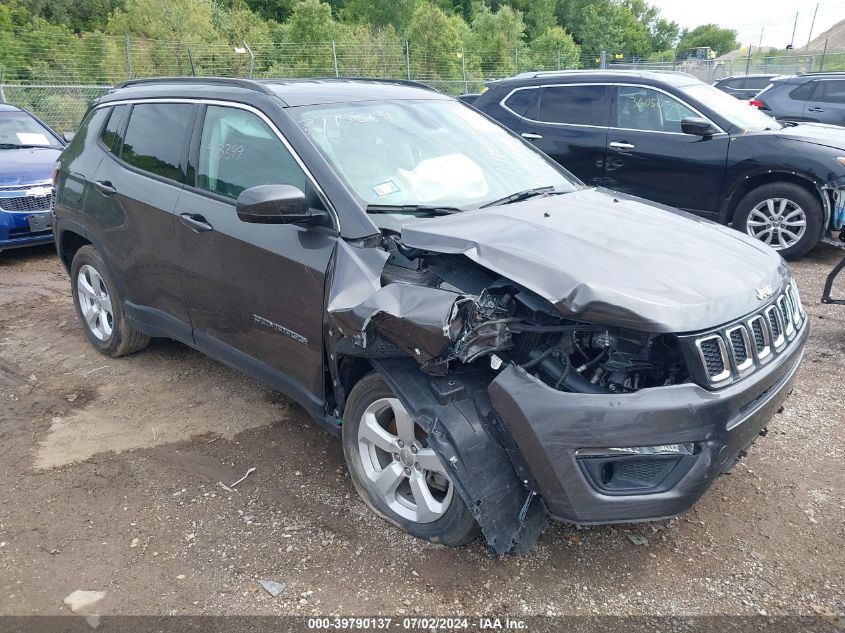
point(521, 99)
point(155, 138)
point(112, 136)
point(803, 92)
point(575, 105)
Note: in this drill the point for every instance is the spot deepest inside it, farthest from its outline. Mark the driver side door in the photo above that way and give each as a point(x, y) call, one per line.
point(254, 291)
point(649, 156)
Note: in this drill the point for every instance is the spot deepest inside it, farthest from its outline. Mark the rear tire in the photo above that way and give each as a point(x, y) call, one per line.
point(394, 471)
point(782, 215)
point(99, 308)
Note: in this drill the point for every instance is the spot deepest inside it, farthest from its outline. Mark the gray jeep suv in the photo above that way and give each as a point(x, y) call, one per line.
point(495, 342)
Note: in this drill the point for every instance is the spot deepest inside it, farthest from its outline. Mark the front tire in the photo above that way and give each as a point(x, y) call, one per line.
point(782, 215)
point(395, 472)
point(98, 306)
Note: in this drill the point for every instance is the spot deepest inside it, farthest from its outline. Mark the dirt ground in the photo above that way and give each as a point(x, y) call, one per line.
point(109, 482)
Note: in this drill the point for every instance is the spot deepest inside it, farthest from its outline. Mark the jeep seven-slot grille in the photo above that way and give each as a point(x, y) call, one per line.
point(734, 351)
point(738, 345)
point(712, 355)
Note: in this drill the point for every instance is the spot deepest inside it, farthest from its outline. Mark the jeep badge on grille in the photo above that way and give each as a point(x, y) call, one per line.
point(764, 292)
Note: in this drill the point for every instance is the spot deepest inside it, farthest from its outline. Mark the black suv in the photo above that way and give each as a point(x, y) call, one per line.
point(495, 342)
point(672, 139)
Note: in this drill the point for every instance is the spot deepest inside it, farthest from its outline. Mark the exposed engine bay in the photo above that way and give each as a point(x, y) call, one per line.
point(493, 321)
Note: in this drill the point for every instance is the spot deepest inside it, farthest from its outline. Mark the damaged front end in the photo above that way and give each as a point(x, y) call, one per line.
point(447, 334)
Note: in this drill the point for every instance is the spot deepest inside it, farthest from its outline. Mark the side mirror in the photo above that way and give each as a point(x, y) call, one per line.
point(67, 137)
point(697, 126)
point(275, 204)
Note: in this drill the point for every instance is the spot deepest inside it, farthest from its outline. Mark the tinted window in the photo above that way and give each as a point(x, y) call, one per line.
point(155, 137)
point(112, 133)
point(647, 109)
point(832, 92)
point(731, 83)
point(578, 105)
point(803, 93)
point(520, 100)
point(757, 83)
point(238, 151)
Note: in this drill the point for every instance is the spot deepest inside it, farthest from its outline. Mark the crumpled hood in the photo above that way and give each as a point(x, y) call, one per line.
point(613, 259)
point(26, 166)
point(817, 133)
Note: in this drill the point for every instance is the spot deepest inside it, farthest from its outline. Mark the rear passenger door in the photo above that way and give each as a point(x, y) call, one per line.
point(567, 122)
point(827, 104)
point(132, 198)
point(254, 291)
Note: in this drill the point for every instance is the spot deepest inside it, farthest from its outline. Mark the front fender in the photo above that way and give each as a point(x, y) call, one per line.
point(456, 414)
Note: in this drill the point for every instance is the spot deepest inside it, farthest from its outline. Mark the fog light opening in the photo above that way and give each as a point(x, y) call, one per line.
point(606, 473)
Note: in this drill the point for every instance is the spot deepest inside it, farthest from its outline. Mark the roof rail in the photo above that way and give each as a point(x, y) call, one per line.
point(802, 73)
point(401, 82)
point(249, 84)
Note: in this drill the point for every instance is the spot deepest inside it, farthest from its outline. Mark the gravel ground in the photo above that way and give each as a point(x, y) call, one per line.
point(109, 482)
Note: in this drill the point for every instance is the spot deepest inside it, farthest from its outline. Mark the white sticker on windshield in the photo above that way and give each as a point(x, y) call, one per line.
point(30, 138)
point(385, 188)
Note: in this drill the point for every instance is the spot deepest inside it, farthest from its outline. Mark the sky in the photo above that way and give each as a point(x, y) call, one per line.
point(747, 17)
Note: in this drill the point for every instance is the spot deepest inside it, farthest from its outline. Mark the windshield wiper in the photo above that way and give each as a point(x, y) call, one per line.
point(412, 208)
point(520, 195)
point(25, 146)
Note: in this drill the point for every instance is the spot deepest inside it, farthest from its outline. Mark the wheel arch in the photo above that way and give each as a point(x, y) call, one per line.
point(68, 242)
point(752, 181)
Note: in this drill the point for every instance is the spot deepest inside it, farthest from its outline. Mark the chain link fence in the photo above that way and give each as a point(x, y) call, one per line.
point(56, 76)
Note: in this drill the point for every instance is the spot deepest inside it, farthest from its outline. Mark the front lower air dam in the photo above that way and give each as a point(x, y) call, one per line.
point(636, 469)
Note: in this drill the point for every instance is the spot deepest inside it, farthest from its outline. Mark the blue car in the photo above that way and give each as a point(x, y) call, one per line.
point(28, 151)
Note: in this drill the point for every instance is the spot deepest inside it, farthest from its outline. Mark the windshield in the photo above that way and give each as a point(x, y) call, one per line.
point(19, 129)
point(738, 112)
point(426, 152)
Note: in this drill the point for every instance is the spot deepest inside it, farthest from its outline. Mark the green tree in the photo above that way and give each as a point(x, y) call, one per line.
point(77, 15)
point(177, 21)
point(393, 12)
point(664, 34)
point(554, 50)
point(719, 39)
point(435, 42)
point(276, 10)
point(305, 41)
point(540, 17)
point(613, 28)
point(495, 39)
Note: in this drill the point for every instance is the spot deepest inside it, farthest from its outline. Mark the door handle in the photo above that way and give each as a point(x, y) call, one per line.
point(531, 136)
point(815, 109)
point(195, 222)
point(105, 187)
point(622, 147)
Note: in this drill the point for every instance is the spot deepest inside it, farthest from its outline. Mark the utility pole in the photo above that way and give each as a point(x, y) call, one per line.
point(251, 58)
point(748, 59)
point(128, 44)
point(760, 45)
point(334, 57)
point(824, 54)
point(812, 24)
point(792, 39)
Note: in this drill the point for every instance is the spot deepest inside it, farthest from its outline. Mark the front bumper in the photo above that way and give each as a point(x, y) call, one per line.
point(548, 427)
point(16, 230)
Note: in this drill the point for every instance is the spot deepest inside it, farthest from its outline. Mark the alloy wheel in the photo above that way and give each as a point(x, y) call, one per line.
point(406, 474)
point(95, 302)
point(778, 222)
